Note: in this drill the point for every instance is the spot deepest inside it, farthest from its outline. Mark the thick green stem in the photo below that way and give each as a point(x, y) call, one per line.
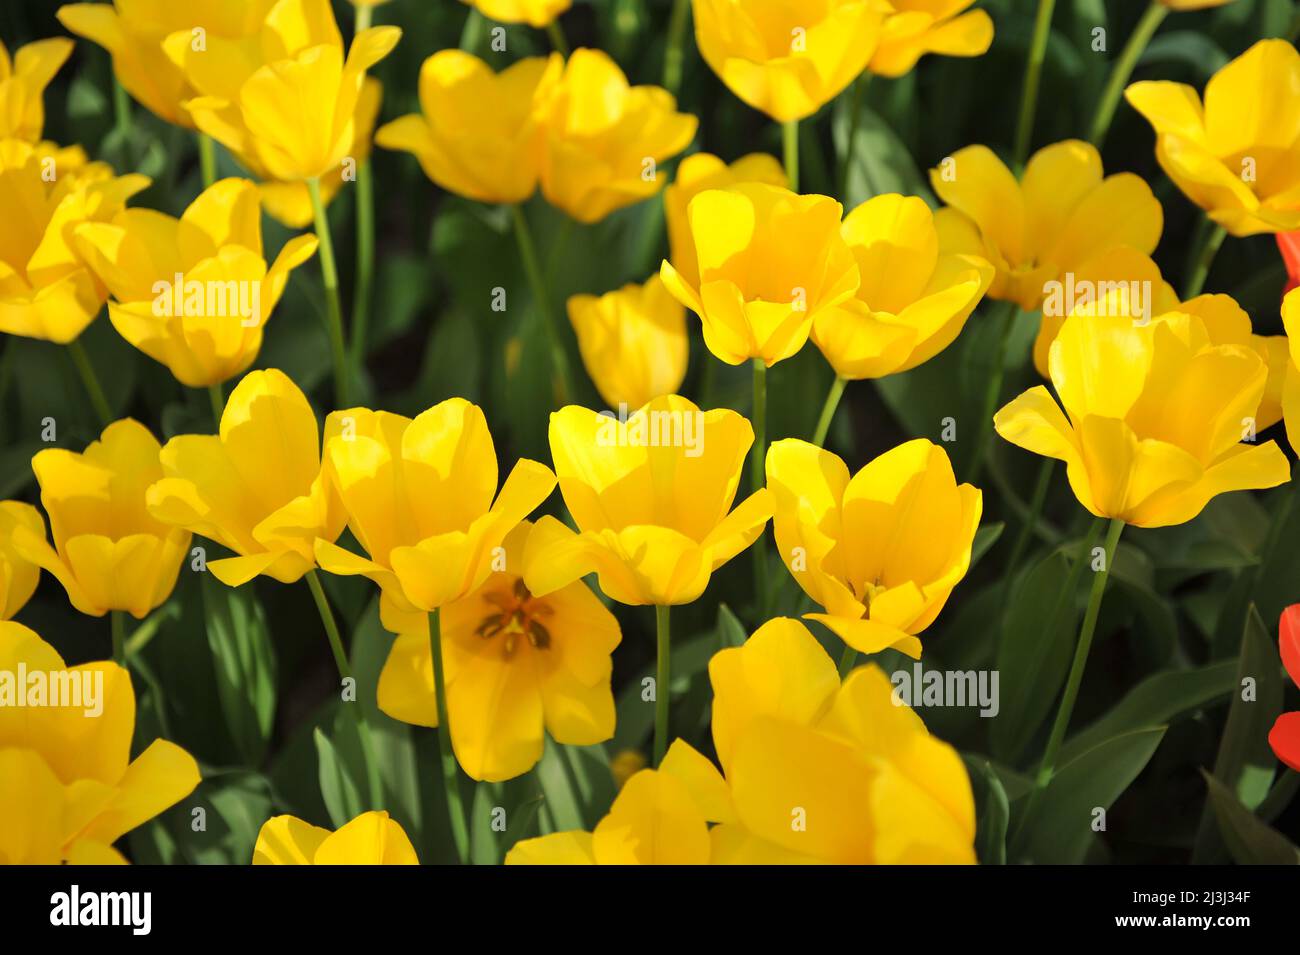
point(663, 678)
point(1033, 74)
point(365, 264)
point(117, 625)
point(556, 34)
point(471, 36)
point(758, 478)
point(450, 779)
point(334, 308)
point(1123, 69)
point(992, 392)
point(790, 146)
point(673, 56)
point(849, 657)
point(542, 302)
point(1204, 259)
point(373, 782)
point(94, 389)
point(207, 160)
point(218, 402)
point(828, 411)
point(1062, 723)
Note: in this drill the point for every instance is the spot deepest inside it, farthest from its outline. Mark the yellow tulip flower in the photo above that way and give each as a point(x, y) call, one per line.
point(18, 576)
point(1237, 164)
point(633, 342)
point(873, 785)
point(1291, 392)
point(913, 300)
point(108, 553)
point(133, 34)
point(605, 138)
point(652, 498)
point(372, 838)
point(1133, 282)
point(479, 134)
point(1059, 216)
point(419, 498)
point(255, 487)
point(22, 86)
point(815, 772)
point(1146, 440)
point(695, 174)
point(788, 59)
point(518, 666)
point(68, 786)
point(769, 263)
point(193, 293)
point(537, 13)
point(918, 27)
point(880, 551)
point(285, 106)
point(289, 203)
point(46, 289)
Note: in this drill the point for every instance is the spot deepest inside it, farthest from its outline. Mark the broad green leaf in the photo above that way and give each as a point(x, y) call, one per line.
point(244, 661)
point(992, 810)
point(985, 537)
point(731, 632)
point(341, 792)
point(485, 811)
point(563, 807)
point(1249, 839)
point(1062, 828)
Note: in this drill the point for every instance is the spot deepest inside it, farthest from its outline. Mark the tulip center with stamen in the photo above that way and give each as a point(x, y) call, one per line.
point(516, 615)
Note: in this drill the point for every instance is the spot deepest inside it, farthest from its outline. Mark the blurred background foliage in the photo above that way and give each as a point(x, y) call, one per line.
point(243, 680)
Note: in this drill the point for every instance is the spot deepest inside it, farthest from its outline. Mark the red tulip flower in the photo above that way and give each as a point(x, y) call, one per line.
point(1285, 735)
point(1289, 244)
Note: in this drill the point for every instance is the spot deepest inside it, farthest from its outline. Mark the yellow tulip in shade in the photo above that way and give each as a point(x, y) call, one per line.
point(372, 838)
point(46, 289)
point(1154, 417)
point(109, 553)
point(518, 666)
point(918, 27)
point(770, 262)
point(193, 293)
point(18, 575)
point(1054, 221)
point(286, 105)
point(479, 134)
point(1291, 388)
point(536, 13)
point(633, 342)
point(134, 32)
point(605, 138)
point(23, 79)
point(1237, 164)
point(652, 500)
point(419, 498)
point(788, 59)
point(913, 300)
point(695, 174)
point(882, 550)
point(815, 772)
point(255, 487)
point(69, 788)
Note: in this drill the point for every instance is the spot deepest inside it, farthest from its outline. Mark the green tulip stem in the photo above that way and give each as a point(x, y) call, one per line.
point(365, 216)
point(758, 479)
point(542, 303)
point(373, 781)
point(207, 160)
point(334, 308)
point(1047, 766)
point(364, 14)
point(790, 144)
point(663, 678)
point(471, 36)
point(94, 389)
point(1204, 259)
point(556, 34)
point(1033, 74)
point(117, 625)
point(450, 778)
point(828, 411)
point(218, 402)
point(673, 56)
point(1123, 69)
